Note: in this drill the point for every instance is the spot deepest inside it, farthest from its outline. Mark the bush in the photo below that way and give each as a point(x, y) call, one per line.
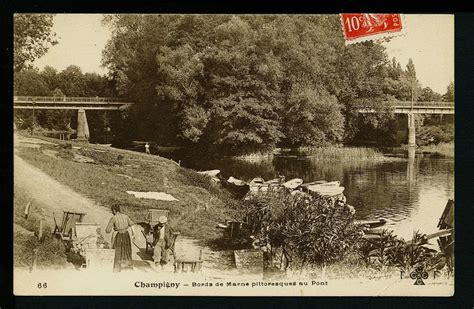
point(434, 134)
point(309, 230)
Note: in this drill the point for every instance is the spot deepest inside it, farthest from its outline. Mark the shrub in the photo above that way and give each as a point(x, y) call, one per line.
point(434, 134)
point(307, 229)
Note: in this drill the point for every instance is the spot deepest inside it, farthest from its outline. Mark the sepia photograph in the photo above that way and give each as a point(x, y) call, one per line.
point(234, 154)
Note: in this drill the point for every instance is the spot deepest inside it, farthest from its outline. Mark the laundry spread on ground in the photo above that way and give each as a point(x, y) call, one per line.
point(154, 195)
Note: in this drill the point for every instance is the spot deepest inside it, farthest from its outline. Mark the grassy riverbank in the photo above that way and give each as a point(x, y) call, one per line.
point(111, 172)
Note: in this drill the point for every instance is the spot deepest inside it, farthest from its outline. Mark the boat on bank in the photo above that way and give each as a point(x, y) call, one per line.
point(293, 184)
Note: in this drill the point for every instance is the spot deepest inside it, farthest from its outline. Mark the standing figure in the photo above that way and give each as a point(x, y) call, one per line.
point(122, 243)
point(147, 148)
point(162, 241)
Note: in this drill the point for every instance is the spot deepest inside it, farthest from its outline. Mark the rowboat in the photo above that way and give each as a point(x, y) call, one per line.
point(258, 185)
point(372, 224)
point(336, 183)
point(237, 186)
point(293, 183)
point(317, 182)
point(212, 173)
point(276, 181)
point(326, 190)
point(237, 182)
point(257, 181)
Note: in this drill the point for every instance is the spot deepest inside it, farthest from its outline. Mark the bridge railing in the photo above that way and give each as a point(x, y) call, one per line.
point(92, 100)
point(423, 104)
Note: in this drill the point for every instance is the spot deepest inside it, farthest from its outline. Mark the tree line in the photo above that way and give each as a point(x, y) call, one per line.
point(241, 84)
point(249, 83)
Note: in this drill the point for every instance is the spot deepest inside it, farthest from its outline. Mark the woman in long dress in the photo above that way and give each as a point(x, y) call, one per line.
point(122, 243)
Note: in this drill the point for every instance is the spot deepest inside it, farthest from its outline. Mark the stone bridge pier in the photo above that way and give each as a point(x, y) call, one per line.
point(82, 126)
point(406, 132)
point(411, 130)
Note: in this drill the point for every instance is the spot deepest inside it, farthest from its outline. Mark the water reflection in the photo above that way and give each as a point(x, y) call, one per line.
point(410, 192)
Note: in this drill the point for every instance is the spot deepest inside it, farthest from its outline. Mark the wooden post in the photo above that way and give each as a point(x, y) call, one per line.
point(34, 264)
point(40, 233)
point(34, 119)
point(27, 210)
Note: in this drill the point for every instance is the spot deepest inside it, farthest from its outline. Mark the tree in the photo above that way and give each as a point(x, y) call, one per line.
point(428, 95)
point(411, 72)
point(71, 82)
point(32, 37)
point(50, 76)
point(449, 95)
point(313, 118)
point(29, 82)
point(361, 82)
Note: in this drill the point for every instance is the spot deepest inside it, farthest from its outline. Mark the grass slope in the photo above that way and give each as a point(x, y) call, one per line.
point(201, 203)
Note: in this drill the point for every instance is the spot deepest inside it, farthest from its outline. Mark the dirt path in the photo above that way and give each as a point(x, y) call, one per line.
point(50, 196)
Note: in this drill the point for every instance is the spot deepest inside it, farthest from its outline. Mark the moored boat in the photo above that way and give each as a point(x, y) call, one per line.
point(212, 173)
point(237, 182)
point(326, 190)
point(293, 183)
point(372, 224)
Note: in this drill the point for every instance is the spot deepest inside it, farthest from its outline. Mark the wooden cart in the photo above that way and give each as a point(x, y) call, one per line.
point(154, 214)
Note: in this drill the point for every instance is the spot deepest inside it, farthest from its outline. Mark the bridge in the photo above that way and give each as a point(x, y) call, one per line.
point(81, 104)
point(410, 109)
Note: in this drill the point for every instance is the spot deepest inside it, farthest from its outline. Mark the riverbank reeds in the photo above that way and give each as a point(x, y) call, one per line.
point(334, 153)
point(445, 149)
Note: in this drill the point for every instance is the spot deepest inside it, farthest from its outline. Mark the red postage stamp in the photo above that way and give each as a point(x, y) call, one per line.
point(359, 26)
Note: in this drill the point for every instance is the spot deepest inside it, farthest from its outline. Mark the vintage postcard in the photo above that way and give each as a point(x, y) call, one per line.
point(234, 155)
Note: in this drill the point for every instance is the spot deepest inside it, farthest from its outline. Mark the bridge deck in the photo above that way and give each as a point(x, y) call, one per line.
point(404, 107)
point(107, 103)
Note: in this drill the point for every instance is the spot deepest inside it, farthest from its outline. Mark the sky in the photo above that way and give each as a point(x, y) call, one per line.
point(428, 40)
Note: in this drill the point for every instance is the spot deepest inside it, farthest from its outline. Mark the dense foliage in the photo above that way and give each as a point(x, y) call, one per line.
point(248, 83)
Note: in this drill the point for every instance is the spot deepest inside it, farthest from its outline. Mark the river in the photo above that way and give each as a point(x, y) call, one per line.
point(409, 191)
